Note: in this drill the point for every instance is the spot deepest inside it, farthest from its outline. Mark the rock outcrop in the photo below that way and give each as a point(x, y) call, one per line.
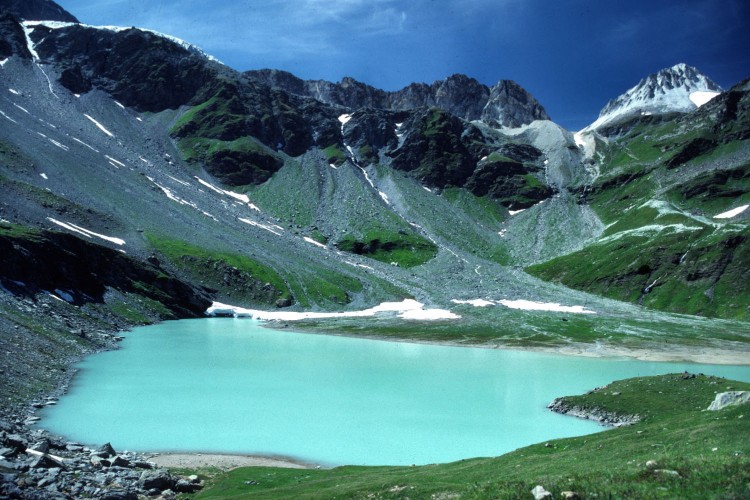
point(731, 398)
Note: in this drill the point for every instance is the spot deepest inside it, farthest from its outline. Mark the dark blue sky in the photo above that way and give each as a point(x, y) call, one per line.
point(572, 55)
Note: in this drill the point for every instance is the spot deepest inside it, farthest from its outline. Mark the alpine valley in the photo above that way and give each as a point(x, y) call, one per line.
point(142, 180)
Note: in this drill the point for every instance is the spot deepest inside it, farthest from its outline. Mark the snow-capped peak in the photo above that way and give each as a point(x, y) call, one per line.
point(681, 88)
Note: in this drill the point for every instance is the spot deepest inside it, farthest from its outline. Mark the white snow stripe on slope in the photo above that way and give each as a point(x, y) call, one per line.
point(86, 232)
point(22, 108)
point(238, 196)
point(29, 44)
point(316, 243)
point(475, 302)
point(83, 143)
point(258, 224)
point(8, 117)
point(59, 145)
point(115, 161)
point(14, 91)
point(101, 127)
point(407, 309)
point(731, 213)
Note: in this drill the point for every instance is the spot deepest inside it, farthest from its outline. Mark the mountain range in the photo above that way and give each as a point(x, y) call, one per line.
point(142, 179)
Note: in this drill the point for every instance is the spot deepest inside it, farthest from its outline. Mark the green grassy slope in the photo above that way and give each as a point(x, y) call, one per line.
point(697, 454)
point(661, 185)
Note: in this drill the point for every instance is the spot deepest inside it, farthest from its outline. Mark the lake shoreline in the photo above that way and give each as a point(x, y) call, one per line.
point(224, 461)
point(669, 353)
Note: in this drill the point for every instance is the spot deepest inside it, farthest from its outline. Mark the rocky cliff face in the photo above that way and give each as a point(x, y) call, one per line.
point(506, 104)
point(138, 68)
point(37, 10)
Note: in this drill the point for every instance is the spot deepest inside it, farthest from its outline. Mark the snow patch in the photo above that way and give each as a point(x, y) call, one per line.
point(475, 302)
point(112, 160)
point(83, 143)
point(44, 176)
point(59, 145)
point(385, 197)
point(99, 125)
point(86, 232)
point(22, 108)
point(29, 44)
point(8, 117)
point(359, 265)
point(407, 309)
point(701, 97)
point(731, 213)
point(268, 228)
point(316, 243)
point(530, 305)
point(2, 63)
point(344, 119)
point(178, 181)
point(514, 212)
point(241, 197)
point(119, 104)
point(67, 297)
point(14, 91)
point(168, 193)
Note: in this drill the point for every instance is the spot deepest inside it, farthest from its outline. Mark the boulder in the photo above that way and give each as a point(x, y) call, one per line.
point(41, 446)
point(731, 398)
point(105, 451)
point(120, 461)
point(45, 462)
point(540, 493)
point(158, 479)
point(186, 486)
point(15, 441)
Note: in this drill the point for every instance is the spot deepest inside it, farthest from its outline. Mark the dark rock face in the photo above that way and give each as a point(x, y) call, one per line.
point(505, 104)
point(434, 152)
point(442, 151)
point(511, 106)
point(50, 261)
point(12, 38)
point(37, 10)
point(138, 68)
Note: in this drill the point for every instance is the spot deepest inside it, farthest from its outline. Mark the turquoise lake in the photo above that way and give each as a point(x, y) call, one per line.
point(231, 386)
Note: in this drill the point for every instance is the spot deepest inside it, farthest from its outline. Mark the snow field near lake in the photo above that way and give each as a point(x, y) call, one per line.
point(527, 305)
point(406, 309)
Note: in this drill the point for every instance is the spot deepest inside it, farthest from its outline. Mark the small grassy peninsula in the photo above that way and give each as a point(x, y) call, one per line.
point(675, 448)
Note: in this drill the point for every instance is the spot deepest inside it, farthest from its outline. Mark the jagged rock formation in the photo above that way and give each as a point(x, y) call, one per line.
point(506, 104)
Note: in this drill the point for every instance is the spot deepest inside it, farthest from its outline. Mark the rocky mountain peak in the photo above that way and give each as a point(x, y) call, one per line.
point(680, 88)
point(510, 105)
point(37, 10)
point(506, 104)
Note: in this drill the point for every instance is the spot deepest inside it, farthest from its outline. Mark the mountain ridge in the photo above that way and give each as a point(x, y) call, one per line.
point(506, 104)
point(679, 88)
